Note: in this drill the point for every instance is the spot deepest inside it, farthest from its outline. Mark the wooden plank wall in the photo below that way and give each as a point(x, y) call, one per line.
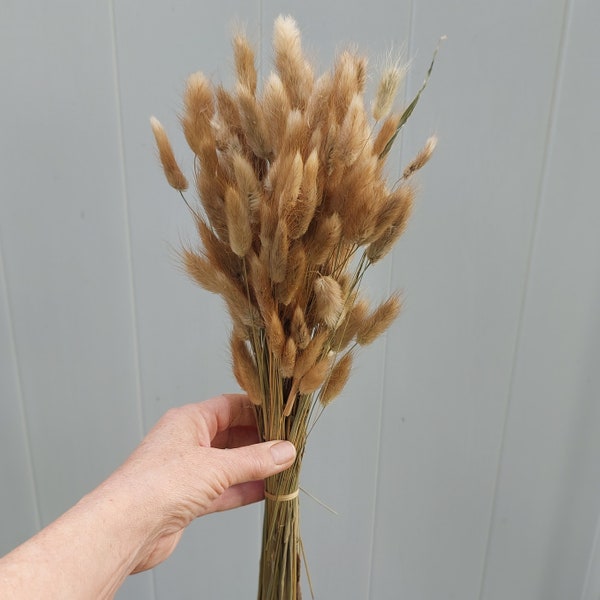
point(463, 459)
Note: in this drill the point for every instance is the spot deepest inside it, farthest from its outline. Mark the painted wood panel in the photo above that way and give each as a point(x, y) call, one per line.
point(491, 370)
point(65, 245)
point(18, 511)
point(548, 497)
point(463, 265)
point(591, 584)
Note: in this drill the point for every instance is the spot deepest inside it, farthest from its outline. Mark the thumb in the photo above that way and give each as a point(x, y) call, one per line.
point(258, 461)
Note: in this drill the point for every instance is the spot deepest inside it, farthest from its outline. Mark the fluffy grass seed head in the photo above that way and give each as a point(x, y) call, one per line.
point(422, 157)
point(276, 106)
point(386, 132)
point(254, 124)
point(392, 76)
point(244, 61)
point(288, 358)
point(299, 330)
point(329, 301)
point(198, 112)
point(348, 328)
point(173, 173)
point(244, 369)
point(237, 212)
point(379, 320)
point(306, 359)
point(288, 291)
point(294, 70)
point(315, 377)
point(337, 379)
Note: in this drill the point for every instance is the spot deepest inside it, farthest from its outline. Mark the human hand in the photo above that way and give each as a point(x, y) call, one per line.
point(197, 459)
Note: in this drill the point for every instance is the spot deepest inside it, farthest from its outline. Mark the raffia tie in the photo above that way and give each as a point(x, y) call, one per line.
point(282, 497)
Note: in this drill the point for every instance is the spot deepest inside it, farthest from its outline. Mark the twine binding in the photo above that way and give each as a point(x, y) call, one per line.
point(282, 497)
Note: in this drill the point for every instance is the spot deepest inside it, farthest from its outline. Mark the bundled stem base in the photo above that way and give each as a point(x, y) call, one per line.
point(280, 562)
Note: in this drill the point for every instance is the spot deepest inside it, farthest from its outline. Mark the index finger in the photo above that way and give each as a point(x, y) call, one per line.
point(222, 412)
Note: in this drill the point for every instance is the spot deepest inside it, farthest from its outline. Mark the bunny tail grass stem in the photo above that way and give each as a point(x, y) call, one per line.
point(188, 205)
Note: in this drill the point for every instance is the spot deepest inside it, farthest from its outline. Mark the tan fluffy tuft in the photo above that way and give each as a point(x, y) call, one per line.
point(198, 112)
point(295, 72)
point(244, 61)
point(353, 134)
point(392, 77)
point(172, 171)
point(324, 240)
point(287, 290)
point(353, 321)
point(385, 134)
point(237, 212)
point(422, 157)
point(379, 320)
point(315, 377)
point(288, 358)
point(279, 254)
point(299, 211)
point(253, 122)
point(244, 369)
point(248, 185)
point(299, 329)
point(202, 271)
point(328, 300)
point(393, 208)
point(276, 107)
point(275, 334)
point(337, 379)
point(311, 354)
point(378, 248)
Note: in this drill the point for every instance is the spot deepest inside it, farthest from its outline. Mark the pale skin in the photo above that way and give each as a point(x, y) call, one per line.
point(198, 459)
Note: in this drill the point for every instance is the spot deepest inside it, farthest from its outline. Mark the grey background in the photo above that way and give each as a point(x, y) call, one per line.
point(464, 457)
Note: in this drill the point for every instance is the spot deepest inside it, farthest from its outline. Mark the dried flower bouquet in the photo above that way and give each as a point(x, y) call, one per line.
point(294, 207)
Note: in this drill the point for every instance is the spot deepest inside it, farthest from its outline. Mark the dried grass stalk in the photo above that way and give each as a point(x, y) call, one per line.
point(294, 207)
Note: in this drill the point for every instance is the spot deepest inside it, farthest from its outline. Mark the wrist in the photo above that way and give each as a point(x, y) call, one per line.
point(130, 520)
point(86, 553)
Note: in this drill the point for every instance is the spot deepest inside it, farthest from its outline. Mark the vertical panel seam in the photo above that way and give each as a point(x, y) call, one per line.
point(20, 396)
point(261, 31)
point(593, 558)
point(382, 386)
point(121, 150)
point(541, 188)
point(126, 212)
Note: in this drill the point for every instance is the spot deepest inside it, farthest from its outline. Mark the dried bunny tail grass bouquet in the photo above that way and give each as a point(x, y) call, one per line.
point(294, 208)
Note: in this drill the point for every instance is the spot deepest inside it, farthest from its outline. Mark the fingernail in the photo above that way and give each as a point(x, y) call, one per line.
point(283, 452)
